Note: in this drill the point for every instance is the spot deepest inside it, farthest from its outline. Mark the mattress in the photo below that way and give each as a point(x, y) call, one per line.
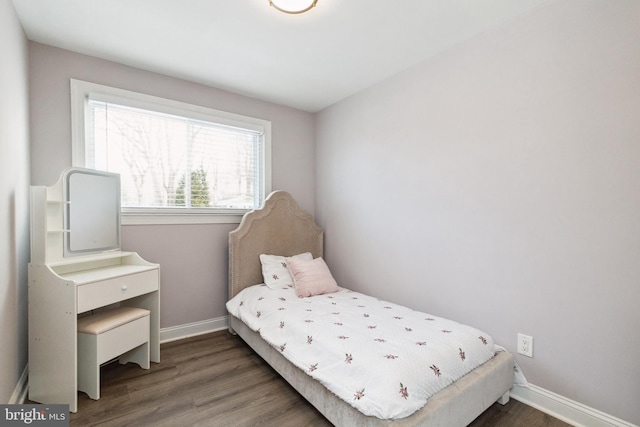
point(383, 359)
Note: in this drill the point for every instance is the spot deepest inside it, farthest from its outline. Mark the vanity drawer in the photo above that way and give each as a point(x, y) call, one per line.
point(105, 292)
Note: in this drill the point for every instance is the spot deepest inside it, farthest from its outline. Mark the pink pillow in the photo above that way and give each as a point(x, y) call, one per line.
point(311, 277)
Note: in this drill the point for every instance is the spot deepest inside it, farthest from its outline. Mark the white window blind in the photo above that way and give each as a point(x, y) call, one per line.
point(174, 161)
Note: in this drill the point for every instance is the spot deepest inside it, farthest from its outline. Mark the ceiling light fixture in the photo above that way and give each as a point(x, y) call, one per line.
point(293, 6)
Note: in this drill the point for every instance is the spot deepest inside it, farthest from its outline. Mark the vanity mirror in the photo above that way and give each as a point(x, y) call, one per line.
point(92, 211)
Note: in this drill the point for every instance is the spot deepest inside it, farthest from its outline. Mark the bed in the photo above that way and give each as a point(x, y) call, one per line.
point(281, 227)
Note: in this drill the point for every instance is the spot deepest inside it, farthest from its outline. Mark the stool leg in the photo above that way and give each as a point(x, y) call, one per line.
point(88, 365)
point(139, 355)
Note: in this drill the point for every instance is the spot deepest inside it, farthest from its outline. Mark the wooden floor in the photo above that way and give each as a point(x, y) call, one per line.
point(217, 380)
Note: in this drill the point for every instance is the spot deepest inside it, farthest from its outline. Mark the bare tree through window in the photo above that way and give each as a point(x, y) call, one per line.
point(178, 162)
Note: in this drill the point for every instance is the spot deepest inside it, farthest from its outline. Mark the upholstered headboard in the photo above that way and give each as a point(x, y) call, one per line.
point(279, 227)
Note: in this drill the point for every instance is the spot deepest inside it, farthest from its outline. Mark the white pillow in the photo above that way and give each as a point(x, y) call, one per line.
point(275, 272)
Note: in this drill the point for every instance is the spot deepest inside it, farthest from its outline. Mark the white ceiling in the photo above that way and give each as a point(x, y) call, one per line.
point(307, 61)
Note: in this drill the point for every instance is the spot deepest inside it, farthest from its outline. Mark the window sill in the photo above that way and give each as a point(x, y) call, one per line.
point(174, 219)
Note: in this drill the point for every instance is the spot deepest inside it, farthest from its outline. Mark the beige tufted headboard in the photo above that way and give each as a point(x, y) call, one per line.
point(279, 227)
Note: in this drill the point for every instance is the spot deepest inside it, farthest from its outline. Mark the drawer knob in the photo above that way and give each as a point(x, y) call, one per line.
point(124, 287)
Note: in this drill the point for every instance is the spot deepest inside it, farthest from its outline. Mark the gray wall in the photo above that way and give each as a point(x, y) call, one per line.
point(498, 184)
point(193, 258)
point(14, 199)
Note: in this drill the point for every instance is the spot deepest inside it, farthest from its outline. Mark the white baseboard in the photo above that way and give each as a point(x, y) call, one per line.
point(20, 393)
point(179, 332)
point(564, 409)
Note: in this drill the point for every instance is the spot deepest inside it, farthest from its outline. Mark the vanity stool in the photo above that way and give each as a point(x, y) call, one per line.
point(122, 331)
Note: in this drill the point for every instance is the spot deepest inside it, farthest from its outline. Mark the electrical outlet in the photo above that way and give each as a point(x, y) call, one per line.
point(525, 345)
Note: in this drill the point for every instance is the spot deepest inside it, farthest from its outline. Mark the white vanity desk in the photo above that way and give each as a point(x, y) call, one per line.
point(61, 288)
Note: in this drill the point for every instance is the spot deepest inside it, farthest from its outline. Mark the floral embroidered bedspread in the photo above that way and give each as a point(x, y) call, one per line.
point(384, 359)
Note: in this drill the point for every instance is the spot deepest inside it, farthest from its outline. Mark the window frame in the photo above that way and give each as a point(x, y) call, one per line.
point(81, 91)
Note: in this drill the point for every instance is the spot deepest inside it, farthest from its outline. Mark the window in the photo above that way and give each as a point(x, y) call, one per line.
point(178, 163)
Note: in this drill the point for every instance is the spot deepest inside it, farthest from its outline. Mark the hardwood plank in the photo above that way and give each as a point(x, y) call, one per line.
point(217, 380)
point(515, 414)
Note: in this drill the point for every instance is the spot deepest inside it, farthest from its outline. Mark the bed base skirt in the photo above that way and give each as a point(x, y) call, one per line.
point(457, 405)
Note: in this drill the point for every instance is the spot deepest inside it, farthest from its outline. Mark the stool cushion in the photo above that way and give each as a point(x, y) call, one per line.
point(108, 319)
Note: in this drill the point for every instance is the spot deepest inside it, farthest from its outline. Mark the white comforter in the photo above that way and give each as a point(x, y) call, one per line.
point(384, 359)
